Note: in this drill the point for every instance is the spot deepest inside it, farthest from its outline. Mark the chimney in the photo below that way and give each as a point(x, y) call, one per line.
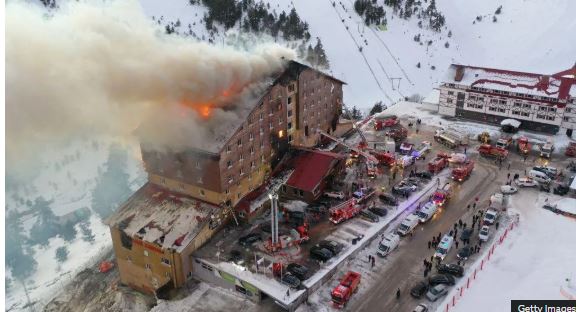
point(459, 73)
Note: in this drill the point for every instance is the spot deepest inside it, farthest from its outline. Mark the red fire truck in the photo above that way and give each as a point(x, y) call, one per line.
point(463, 172)
point(348, 285)
point(398, 133)
point(442, 195)
point(571, 149)
point(385, 122)
point(438, 163)
point(488, 150)
point(344, 211)
point(524, 146)
point(385, 158)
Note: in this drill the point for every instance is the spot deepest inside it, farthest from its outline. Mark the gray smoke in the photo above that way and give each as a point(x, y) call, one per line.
point(102, 69)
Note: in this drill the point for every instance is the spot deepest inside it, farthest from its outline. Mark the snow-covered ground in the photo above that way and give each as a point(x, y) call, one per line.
point(535, 261)
point(68, 177)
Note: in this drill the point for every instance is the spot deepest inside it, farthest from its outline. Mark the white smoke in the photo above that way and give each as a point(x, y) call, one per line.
point(103, 68)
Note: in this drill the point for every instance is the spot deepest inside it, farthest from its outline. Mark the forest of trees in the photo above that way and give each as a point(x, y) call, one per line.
point(112, 186)
point(371, 12)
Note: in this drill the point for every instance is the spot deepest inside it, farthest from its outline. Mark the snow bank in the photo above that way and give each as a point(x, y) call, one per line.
point(510, 122)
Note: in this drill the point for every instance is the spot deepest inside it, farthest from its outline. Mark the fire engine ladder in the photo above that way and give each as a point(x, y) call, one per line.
point(368, 156)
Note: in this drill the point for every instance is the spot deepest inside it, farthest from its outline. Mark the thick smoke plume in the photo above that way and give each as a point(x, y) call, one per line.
point(104, 68)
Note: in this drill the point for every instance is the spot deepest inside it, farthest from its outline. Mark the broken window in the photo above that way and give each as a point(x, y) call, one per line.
point(126, 240)
point(289, 125)
point(289, 100)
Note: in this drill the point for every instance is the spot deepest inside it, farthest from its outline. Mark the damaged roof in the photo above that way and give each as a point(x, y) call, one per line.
point(156, 215)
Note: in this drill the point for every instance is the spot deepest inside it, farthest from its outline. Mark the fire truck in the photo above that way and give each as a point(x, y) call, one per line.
point(385, 122)
point(571, 149)
point(488, 150)
point(398, 133)
point(463, 172)
point(438, 163)
point(442, 195)
point(385, 158)
point(524, 146)
point(348, 286)
point(504, 142)
point(344, 211)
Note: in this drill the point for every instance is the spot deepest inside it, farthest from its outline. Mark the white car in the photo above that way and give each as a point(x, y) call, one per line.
point(337, 195)
point(484, 233)
point(490, 217)
point(508, 189)
point(458, 158)
point(526, 182)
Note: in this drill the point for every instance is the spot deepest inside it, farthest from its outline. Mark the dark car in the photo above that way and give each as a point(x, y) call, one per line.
point(452, 269)
point(249, 239)
point(320, 254)
point(544, 187)
point(441, 279)
point(561, 190)
point(403, 188)
point(235, 256)
point(367, 215)
point(423, 175)
point(381, 212)
point(298, 270)
point(419, 289)
point(464, 253)
point(332, 246)
point(388, 199)
point(466, 234)
point(290, 280)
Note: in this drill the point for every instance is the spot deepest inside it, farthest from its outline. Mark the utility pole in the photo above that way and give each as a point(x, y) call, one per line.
point(274, 219)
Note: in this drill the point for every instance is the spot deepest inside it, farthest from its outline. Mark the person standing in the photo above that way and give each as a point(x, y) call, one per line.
point(398, 294)
point(429, 244)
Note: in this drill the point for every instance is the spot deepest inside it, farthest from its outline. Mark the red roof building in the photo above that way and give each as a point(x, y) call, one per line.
point(312, 169)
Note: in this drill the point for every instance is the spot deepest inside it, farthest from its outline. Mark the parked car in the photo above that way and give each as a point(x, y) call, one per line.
point(561, 190)
point(452, 269)
point(466, 234)
point(464, 253)
point(526, 182)
point(404, 188)
point(490, 217)
point(484, 233)
point(317, 209)
point(388, 199)
point(508, 189)
point(369, 216)
point(419, 289)
point(544, 187)
point(332, 246)
point(334, 194)
point(436, 292)
point(249, 239)
point(441, 279)
point(551, 172)
point(421, 308)
point(423, 175)
point(320, 253)
point(298, 270)
point(381, 212)
point(290, 280)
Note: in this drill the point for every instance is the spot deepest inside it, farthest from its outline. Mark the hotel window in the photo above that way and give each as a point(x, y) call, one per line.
point(146, 253)
point(252, 164)
point(525, 114)
point(261, 131)
point(230, 180)
point(566, 118)
point(450, 92)
point(229, 164)
point(449, 101)
point(227, 191)
point(550, 117)
point(165, 261)
point(251, 149)
point(289, 100)
point(251, 136)
point(261, 116)
point(271, 125)
point(148, 266)
point(502, 102)
point(241, 157)
point(289, 113)
point(492, 108)
point(199, 180)
point(202, 193)
point(514, 112)
point(228, 149)
point(501, 110)
point(290, 138)
point(241, 171)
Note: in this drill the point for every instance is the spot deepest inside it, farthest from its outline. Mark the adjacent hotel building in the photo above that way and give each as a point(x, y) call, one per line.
point(544, 103)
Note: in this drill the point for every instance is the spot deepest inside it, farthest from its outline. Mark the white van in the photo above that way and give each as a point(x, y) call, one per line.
point(539, 176)
point(444, 247)
point(427, 212)
point(388, 244)
point(408, 225)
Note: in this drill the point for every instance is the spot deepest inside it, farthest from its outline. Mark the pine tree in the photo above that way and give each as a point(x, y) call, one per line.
point(356, 113)
point(46, 225)
point(321, 54)
point(418, 65)
point(498, 10)
point(377, 108)
point(62, 254)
